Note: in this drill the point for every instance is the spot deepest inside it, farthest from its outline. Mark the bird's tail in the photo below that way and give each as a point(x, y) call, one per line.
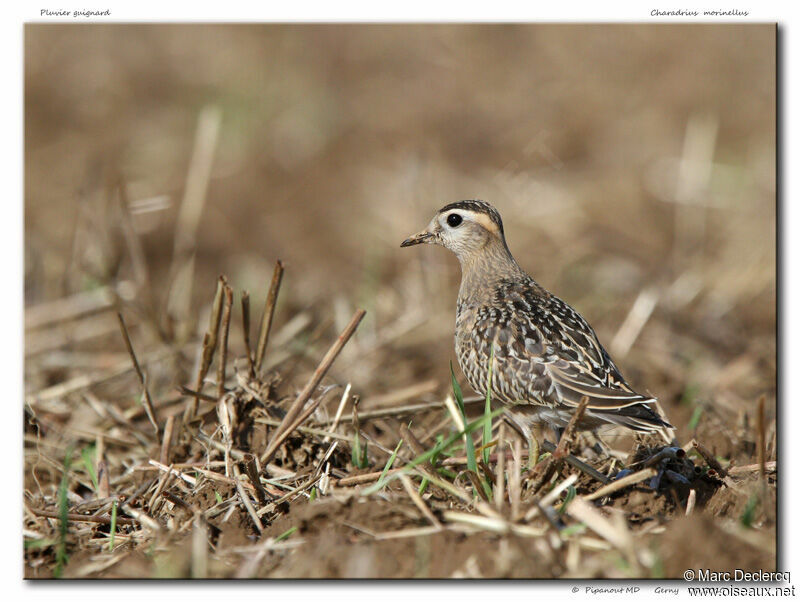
point(639, 417)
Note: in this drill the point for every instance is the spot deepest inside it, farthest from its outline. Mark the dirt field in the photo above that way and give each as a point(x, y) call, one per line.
point(252, 435)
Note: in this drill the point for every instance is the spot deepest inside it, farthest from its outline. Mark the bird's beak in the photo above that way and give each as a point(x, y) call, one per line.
point(416, 239)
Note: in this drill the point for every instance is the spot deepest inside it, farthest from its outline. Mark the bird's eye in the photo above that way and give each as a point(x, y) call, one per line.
point(454, 220)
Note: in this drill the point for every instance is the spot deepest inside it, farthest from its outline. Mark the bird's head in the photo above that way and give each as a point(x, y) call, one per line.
point(464, 227)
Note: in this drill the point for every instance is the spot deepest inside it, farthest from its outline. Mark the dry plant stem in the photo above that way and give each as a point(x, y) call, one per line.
point(246, 499)
point(103, 485)
point(136, 251)
point(544, 471)
point(238, 454)
point(182, 465)
point(477, 485)
point(709, 458)
point(179, 297)
point(226, 424)
point(166, 441)
point(338, 416)
point(148, 402)
point(74, 517)
point(199, 547)
point(269, 311)
point(412, 442)
point(768, 467)
point(291, 421)
point(580, 465)
point(190, 480)
point(418, 501)
point(246, 330)
point(220, 478)
point(101, 467)
point(499, 491)
point(426, 468)
point(571, 460)
point(141, 517)
point(691, 501)
point(279, 438)
point(495, 457)
point(223, 350)
point(162, 484)
point(328, 435)
point(583, 511)
point(634, 322)
point(413, 408)
point(299, 489)
point(514, 481)
point(250, 468)
point(627, 481)
point(209, 346)
point(552, 495)
point(369, 477)
point(69, 308)
point(404, 533)
point(179, 502)
point(487, 471)
point(762, 456)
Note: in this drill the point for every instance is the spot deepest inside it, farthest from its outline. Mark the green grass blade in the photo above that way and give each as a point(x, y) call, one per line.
point(695, 419)
point(434, 451)
point(389, 462)
point(87, 453)
point(63, 515)
point(39, 544)
point(571, 493)
point(472, 463)
point(285, 534)
point(573, 529)
point(749, 514)
point(113, 530)
point(359, 454)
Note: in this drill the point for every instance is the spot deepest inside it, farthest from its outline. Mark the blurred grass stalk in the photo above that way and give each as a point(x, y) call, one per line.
point(183, 256)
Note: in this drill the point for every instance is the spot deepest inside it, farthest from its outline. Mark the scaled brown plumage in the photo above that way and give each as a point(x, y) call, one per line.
point(546, 356)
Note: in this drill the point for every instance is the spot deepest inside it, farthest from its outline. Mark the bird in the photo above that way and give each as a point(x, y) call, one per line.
point(545, 357)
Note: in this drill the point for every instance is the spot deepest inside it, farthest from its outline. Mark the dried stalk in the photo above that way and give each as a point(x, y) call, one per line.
point(246, 330)
point(148, 402)
point(499, 488)
point(246, 499)
point(223, 350)
point(418, 501)
point(209, 346)
point(369, 477)
point(250, 468)
point(74, 517)
point(181, 271)
point(166, 441)
point(269, 311)
point(291, 420)
point(762, 456)
point(627, 481)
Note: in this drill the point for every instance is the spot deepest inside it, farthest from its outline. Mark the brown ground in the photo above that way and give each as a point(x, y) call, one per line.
point(630, 163)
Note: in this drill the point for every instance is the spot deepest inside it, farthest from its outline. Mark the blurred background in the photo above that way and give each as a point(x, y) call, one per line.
point(633, 165)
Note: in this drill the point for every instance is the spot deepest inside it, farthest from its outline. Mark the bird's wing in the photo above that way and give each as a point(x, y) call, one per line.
point(582, 367)
point(555, 356)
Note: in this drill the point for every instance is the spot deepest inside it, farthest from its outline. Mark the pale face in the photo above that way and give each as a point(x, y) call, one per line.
point(460, 230)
